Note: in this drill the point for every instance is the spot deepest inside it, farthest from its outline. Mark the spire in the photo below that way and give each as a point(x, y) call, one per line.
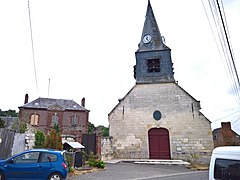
point(151, 37)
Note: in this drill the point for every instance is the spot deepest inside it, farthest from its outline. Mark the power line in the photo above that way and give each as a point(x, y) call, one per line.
point(33, 54)
point(228, 44)
point(226, 116)
point(236, 121)
point(220, 22)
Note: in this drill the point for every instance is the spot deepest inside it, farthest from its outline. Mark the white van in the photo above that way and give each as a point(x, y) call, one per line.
point(225, 163)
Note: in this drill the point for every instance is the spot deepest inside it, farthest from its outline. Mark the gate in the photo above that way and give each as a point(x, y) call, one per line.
point(89, 142)
point(159, 146)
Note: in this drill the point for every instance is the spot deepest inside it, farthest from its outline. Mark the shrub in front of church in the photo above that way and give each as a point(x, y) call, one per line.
point(93, 162)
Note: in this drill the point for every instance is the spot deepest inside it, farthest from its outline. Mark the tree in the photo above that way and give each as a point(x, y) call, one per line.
point(54, 139)
point(105, 131)
point(2, 123)
point(22, 128)
point(10, 112)
point(39, 139)
point(91, 128)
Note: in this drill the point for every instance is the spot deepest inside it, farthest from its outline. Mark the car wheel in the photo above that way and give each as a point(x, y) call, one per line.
point(55, 176)
point(1, 176)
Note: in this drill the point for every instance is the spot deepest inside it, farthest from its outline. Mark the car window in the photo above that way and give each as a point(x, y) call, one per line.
point(48, 157)
point(226, 169)
point(30, 157)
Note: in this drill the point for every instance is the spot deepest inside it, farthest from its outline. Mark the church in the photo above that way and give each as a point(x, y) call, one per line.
point(158, 119)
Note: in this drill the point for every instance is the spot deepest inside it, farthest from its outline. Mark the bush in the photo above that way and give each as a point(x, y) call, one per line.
point(100, 164)
point(93, 162)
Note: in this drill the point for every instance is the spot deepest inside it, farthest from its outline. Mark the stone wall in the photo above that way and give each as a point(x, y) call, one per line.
point(106, 148)
point(6, 143)
point(11, 143)
point(189, 130)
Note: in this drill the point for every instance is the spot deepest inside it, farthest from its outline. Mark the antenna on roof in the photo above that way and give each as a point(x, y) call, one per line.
point(48, 86)
point(33, 54)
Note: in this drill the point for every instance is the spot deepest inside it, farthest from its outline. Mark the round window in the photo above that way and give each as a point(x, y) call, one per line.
point(157, 115)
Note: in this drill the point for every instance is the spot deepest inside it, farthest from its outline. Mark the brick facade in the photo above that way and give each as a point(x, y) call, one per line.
point(45, 110)
point(225, 136)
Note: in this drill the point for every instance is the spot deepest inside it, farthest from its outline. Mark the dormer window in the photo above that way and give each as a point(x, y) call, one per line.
point(153, 65)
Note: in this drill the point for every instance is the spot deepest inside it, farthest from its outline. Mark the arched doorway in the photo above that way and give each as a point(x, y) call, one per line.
point(159, 146)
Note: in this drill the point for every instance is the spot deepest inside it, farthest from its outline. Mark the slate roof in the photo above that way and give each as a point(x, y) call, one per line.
point(151, 28)
point(45, 103)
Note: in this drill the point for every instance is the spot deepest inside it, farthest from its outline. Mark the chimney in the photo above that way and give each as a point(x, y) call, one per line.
point(226, 126)
point(83, 102)
point(227, 133)
point(26, 99)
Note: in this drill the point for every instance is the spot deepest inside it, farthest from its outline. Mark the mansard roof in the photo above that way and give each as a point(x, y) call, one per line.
point(48, 103)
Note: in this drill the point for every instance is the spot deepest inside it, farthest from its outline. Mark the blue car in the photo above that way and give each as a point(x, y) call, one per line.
point(41, 164)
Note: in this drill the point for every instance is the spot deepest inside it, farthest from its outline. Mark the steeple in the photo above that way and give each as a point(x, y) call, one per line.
point(151, 37)
point(153, 57)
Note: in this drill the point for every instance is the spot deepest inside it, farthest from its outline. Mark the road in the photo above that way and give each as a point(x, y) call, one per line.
point(129, 171)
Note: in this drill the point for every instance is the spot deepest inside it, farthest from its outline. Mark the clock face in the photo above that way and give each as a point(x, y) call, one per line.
point(147, 38)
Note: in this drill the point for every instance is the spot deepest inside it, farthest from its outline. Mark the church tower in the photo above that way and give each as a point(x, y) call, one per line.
point(157, 119)
point(153, 57)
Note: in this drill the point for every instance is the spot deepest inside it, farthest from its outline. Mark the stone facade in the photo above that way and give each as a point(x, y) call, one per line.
point(107, 149)
point(158, 119)
point(130, 121)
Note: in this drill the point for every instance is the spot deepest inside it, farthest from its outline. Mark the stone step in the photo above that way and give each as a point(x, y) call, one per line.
point(149, 161)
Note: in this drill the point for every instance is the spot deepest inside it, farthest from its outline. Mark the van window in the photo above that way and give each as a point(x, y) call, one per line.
point(226, 169)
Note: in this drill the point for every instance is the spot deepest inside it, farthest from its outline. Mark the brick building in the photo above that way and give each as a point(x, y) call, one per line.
point(43, 113)
point(225, 136)
point(157, 118)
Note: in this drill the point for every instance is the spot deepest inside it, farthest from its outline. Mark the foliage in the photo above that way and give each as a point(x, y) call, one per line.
point(100, 164)
point(54, 140)
point(70, 169)
point(105, 131)
point(69, 163)
point(39, 139)
point(56, 127)
point(93, 162)
point(2, 123)
point(22, 127)
point(84, 157)
point(15, 125)
point(91, 128)
point(10, 112)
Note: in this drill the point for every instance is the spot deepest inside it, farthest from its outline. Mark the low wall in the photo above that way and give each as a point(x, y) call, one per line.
point(107, 149)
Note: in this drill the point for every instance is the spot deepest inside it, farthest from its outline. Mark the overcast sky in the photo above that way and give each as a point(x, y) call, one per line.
point(87, 49)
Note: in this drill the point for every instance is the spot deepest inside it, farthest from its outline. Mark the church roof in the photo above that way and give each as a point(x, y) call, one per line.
point(151, 29)
point(45, 103)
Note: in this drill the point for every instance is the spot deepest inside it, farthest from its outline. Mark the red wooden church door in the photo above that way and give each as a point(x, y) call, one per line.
point(159, 146)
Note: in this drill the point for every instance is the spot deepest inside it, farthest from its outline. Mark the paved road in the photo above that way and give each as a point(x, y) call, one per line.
point(129, 171)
